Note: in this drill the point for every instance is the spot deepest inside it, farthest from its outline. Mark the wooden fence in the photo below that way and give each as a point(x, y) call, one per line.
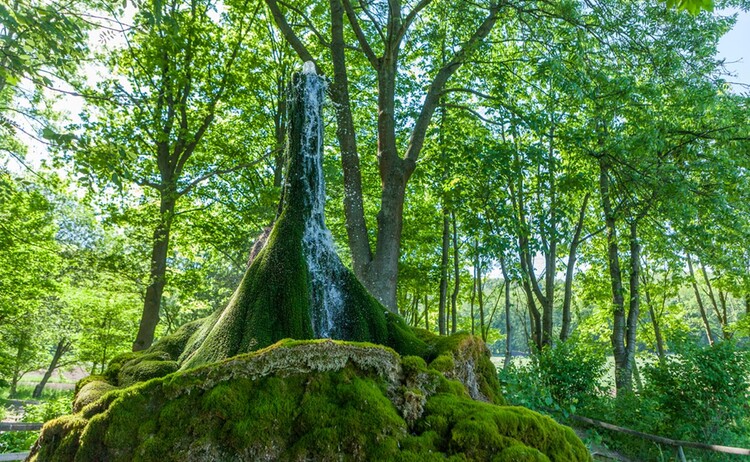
point(17, 427)
point(678, 444)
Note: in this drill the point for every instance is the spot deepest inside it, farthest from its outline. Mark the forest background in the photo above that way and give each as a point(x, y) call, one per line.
point(568, 181)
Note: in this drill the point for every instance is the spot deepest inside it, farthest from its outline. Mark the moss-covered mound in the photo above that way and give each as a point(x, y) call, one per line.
point(296, 286)
point(304, 400)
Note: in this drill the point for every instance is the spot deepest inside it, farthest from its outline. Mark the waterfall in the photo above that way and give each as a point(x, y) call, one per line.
point(324, 267)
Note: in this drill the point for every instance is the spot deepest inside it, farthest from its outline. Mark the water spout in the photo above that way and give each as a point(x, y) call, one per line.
point(324, 267)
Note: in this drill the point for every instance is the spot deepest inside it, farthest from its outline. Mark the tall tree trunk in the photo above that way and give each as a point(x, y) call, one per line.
point(635, 297)
point(725, 318)
point(699, 299)
point(550, 260)
point(63, 346)
point(426, 314)
point(714, 304)
point(456, 275)
point(660, 351)
point(473, 296)
point(480, 288)
point(623, 369)
point(279, 122)
point(16, 370)
point(444, 274)
point(570, 270)
point(346, 134)
point(508, 324)
point(157, 275)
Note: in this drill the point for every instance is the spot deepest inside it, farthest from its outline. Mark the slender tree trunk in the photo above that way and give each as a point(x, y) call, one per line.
point(62, 347)
point(570, 270)
point(155, 289)
point(473, 295)
point(661, 353)
point(480, 288)
point(279, 122)
point(417, 317)
point(623, 369)
point(550, 261)
point(725, 318)
point(456, 275)
point(635, 298)
point(346, 134)
point(508, 324)
point(426, 314)
point(444, 274)
point(714, 304)
point(699, 299)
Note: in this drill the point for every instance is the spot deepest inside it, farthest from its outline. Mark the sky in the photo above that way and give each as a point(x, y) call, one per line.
point(735, 48)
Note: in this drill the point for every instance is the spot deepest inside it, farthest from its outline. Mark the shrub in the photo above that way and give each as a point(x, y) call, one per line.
point(703, 393)
point(559, 378)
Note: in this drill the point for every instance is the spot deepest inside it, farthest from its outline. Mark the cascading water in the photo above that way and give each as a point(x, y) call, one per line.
point(324, 266)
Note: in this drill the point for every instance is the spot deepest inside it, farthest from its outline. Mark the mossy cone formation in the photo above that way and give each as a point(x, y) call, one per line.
point(305, 400)
point(297, 287)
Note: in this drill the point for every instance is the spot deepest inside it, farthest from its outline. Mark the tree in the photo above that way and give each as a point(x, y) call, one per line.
point(385, 41)
point(165, 129)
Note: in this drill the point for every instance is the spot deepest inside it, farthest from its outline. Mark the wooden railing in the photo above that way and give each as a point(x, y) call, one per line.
point(17, 427)
point(678, 444)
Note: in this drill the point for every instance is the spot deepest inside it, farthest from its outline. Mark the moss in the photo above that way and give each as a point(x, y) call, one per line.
point(465, 358)
point(481, 430)
point(90, 392)
point(520, 453)
point(145, 369)
point(91, 378)
point(175, 343)
point(59, 440)
point(304, 400)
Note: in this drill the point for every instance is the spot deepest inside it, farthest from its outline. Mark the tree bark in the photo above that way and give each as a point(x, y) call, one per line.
point(480, 288)
point(635, 298)
point(722, 319)
point(157, 274)
point(473, 295)
point(699, 299)
point(63, 346)
point(660, 351)
point(444, 275)
point(570, 270)
point(456, 275)
point(623, 369)
point(356, 227)
point(508, 324)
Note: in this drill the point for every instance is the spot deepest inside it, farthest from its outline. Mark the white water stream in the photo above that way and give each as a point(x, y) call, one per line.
point(325, 268)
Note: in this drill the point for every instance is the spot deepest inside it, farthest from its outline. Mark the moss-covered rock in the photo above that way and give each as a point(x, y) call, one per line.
point(90, 392)
point(304, 400)
point(465, 358)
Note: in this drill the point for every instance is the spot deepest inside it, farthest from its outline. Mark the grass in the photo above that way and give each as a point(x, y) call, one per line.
point(24, 392)
point(56, 378)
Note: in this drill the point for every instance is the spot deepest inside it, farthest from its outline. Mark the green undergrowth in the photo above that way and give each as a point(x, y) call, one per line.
point(304, 400)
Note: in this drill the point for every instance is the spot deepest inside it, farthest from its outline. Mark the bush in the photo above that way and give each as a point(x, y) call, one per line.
point(558, 378)
point(703, 393)
point(571, 371)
